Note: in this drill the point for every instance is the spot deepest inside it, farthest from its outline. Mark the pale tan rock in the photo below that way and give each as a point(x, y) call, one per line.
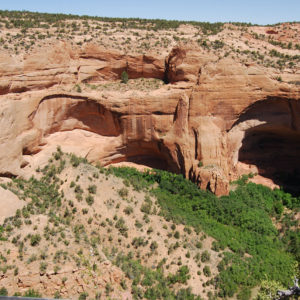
point(9, 204)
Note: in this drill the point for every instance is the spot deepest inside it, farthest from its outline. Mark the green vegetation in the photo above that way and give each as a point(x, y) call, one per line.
point(206, 271)
point(92, 189)
point(26, 20)
point(83, 296)
point(35, 239)
point(124, 77)
point(3, 291)
point(47, 199)
point(31, 293)
point(241, 222)
point(78, 88)
point(89, 200)
point(157, 286)
point(249, 246)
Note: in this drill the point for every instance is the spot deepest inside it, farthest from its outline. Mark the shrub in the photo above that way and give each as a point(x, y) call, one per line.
point(138, 224)
point(75, 161)
point(89, 200)
point(205, 256)
point(217, 44)
point(176, 235)
point(149, 230)
point(124, 77)
point(72, 184)
point(35, 239)
point(146, 208)
point(199, 245)
point(244, 294)
point(206, 271)
point(138, 241)
point(123, 284)
point(43, 267)
point(3, 291)
point(153, 245)
point(215, 246)
point(123, 192)
point(121, 226)
point(92, 189)
point(78, 88)
point(31, 293)
point(128, 210)
point(83, 296)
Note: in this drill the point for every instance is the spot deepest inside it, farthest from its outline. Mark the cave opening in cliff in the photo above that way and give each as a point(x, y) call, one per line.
point(150, 154)
point(271, 141)
point(275, 153)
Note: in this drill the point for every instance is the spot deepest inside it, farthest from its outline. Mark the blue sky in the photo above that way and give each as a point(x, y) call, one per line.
point(254, 11)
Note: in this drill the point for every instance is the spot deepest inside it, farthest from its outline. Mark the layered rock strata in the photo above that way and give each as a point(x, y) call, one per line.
point(212, 121)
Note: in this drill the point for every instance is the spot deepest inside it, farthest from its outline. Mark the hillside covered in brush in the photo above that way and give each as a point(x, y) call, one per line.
point(83, 231)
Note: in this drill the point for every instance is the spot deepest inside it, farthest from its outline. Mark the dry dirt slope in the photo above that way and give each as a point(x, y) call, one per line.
point(86, 233)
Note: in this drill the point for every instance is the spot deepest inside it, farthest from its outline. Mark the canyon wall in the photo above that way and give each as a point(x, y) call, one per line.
point(214, 119)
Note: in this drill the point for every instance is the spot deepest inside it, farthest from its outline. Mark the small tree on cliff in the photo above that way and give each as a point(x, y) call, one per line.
point(124, 77)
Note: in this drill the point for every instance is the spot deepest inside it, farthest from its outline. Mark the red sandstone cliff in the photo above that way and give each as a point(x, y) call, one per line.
point(214, 120)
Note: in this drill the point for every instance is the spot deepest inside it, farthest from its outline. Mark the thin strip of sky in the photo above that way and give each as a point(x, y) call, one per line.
point(254, 11)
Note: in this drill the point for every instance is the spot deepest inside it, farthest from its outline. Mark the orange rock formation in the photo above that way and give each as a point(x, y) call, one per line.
point(214, 120)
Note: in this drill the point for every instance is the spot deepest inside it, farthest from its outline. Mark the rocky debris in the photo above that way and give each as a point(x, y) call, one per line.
point(292, 291)
point(67, 281)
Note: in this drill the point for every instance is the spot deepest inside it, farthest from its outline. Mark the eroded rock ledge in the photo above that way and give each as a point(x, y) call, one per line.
point(214, 120)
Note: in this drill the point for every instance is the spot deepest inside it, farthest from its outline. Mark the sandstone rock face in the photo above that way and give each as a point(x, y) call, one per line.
point(212, 118)
point(9, 204)
point(59, 65)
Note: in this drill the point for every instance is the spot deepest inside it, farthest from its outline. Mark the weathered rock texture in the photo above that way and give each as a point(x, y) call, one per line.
point(215, 119)
point(9, 203)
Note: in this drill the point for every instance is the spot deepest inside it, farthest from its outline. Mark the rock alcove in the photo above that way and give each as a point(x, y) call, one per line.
point(271, 141)
point(88, 129)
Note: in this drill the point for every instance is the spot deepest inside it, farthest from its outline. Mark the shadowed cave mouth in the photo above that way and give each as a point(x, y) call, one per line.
point(274, 147)
point(150, 154)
